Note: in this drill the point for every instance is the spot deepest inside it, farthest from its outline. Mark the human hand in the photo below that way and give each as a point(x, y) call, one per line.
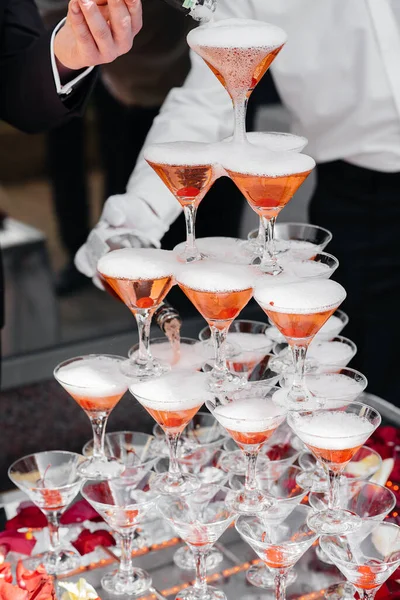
point(94, 35)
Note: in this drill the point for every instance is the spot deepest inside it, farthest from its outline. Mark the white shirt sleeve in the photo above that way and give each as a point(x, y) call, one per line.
point(64, 90)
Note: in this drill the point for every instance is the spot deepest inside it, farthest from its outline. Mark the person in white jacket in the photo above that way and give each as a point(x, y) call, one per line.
point(338, 76)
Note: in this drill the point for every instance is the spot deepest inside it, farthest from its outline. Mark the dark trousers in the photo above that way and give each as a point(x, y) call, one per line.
point(362, 210)
point(121, 132)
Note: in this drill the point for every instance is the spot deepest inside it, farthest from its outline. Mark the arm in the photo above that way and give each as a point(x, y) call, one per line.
point(28, 92)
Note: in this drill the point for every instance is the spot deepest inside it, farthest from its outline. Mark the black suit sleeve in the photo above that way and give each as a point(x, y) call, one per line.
point(28, 95)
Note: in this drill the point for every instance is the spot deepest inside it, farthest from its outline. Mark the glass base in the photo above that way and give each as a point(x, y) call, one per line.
point(260, 576)
point(334, 522)
point(101, 468)
point(225, 382)
point(191, 593)
point(56, 563)
point(284, 398)
point(233, 462)
point(153, 368)
point(162, 484)
point(340, 591)
point(268, 267)
point(249, 503)
point(119, 584)
point(322, 556)
point(184, 559)
point(191, 255)
point(312, 478)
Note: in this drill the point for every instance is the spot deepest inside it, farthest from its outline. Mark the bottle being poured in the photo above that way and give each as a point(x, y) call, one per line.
point(170, 323)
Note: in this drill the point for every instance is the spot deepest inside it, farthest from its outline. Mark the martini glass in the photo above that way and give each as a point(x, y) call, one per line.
point(51, 480)
point(241, 330)
point(297, 240)
point(211, 479)
point(287, 494)
point(299, 310)
point(173, 400)
point(96, 383)
point(279, 545)
point(250, 417)
point(276, 142)
point(239, 52)
point(330, 385)
point(141, 278)
point(370, 501)
point(219, 291)
point(187, 169)
point(200, 525)
point(123, 508)
point(366, 561)
point(136, 451)
point(189, 355)
point(364, 464)
point(334, 437)
point(268, 181)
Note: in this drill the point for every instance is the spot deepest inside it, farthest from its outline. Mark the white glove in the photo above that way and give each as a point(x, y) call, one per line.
point(123, 223)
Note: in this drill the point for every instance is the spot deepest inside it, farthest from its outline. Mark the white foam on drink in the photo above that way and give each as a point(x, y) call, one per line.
point(333, 430)
point(249, 415)
point(331, 328)
point(274, 141)
point(138, 263)
point(93, 377)
point(237, 33)
point(297, 249)
point(250, 341)
point(331, 353)
point(190, 356)
point(305, 297)
point(258, 161)
point(178, 390)
point(181, 153)
point(334, 385)
point(215, 276)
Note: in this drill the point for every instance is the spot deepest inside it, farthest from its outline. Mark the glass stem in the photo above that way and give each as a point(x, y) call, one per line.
point(99, 430)
point(269, 261)
point(174, 471)
point(53, 520)
point(280, 584)
point(298, 390)
point(143, 320)
point(219, 338)
point(190, 212)
point(240, 109)
point(334, 490)
point(125, 563)
point(261, 233)
point(200, 584)
point(251, 466)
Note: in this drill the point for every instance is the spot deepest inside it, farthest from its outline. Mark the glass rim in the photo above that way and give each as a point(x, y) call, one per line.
point(169, 500)
point(33, 454)
point(242, 518)
point(111, 434)
point(359, 483)
point(65, 363)
point(291, 417)
point(164, 340)
point(324, 540)
point(297, 224)
point(311, 311)
point(272, 388)
point(325, 370)
point(108, 481)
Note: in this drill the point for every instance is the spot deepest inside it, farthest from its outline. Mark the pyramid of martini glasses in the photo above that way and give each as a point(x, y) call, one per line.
point(280, 451)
